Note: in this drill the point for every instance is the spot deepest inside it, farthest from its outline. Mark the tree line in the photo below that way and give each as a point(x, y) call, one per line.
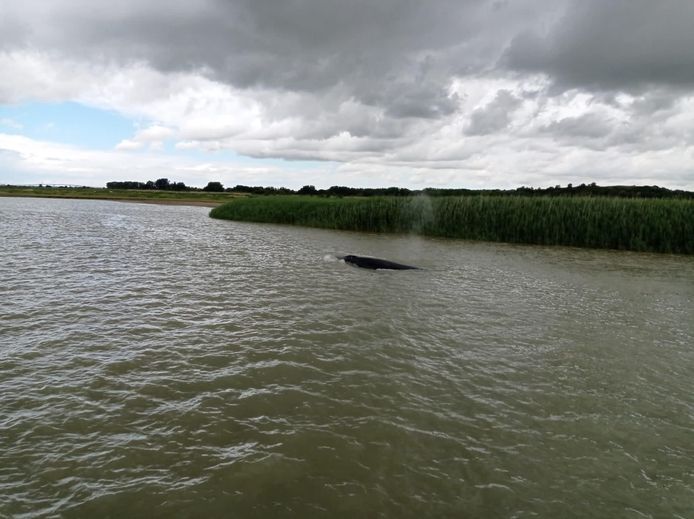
point(340, 191)
point(163, 184)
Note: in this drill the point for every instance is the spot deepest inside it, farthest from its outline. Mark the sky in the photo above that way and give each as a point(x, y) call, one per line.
point(408, 93)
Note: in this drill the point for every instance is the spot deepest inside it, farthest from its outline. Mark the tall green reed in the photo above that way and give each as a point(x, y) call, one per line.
point(615, 223)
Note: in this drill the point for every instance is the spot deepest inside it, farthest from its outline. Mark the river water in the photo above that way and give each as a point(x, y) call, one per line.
point(156, 362)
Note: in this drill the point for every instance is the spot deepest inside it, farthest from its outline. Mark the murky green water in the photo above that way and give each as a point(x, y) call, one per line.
point(158, 363)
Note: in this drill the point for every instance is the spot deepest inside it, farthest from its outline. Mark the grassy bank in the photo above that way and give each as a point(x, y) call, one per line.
point(628, 224)
point(125, 195)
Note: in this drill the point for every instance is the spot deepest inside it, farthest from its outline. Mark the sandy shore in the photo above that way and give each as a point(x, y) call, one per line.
point(199, 203)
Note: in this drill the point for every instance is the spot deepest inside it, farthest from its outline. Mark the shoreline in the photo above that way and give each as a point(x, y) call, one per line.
point(195, 203)
point(164, 201)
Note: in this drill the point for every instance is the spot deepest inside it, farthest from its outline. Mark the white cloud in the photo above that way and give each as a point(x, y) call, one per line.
point(437, 160)
point(153, 136)
point(154, 133)
point(128, 145)
point(33, 161)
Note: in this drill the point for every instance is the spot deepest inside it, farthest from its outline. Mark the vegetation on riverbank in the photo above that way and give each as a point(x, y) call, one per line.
point(131, 195)
point(616, 223)
point(640, 224)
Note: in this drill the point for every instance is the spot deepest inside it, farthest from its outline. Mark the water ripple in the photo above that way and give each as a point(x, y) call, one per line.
point(155, 361)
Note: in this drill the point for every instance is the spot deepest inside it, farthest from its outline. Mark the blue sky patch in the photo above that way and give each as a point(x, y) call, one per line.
point(83, 126)
point(67, 123)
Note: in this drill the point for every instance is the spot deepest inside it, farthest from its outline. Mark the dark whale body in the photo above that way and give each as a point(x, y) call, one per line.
point(374, 263)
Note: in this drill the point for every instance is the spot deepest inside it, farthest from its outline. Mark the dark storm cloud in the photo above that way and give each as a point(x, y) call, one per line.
point(495, 116)
point(396, 54)
point(399, 54)
point(612, 44)
point(591, 126)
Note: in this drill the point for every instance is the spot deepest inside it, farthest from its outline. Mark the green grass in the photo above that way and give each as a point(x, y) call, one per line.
point(116, 194)
point(615, 223)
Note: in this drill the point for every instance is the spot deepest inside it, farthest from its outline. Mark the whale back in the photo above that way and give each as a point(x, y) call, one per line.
point(367, 262)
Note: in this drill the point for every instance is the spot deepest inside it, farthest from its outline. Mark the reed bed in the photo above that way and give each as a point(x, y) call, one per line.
point(614, 223)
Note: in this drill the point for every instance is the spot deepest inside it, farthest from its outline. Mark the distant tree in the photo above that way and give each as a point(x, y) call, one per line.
point(128, 184)
point(162, 183)
point(341, 191)
point(214, 186)
point(307, 190)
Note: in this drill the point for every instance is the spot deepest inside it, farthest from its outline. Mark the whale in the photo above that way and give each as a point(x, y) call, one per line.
point(367, 262)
